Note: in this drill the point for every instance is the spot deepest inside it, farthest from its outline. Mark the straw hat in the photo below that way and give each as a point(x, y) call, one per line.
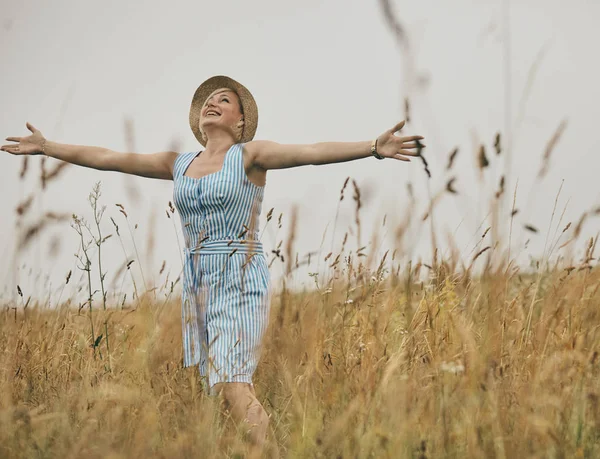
point(248, 105)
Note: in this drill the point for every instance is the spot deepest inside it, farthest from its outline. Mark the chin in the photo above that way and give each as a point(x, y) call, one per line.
point(208, 122)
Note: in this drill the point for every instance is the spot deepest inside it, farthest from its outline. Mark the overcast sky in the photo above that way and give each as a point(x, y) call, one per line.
point(319, 70)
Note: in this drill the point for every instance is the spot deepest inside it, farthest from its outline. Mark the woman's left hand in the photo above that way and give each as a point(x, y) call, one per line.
point(390, 145)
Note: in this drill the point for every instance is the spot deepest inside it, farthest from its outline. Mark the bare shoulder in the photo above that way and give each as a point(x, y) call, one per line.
point(266, 154)
point(167, 158)
point(154, 165)
point(254, 146)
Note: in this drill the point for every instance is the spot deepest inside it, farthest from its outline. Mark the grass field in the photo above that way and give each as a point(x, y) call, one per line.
point(375, 365)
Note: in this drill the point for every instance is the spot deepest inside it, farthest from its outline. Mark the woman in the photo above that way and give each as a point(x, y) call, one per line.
point(218, 192)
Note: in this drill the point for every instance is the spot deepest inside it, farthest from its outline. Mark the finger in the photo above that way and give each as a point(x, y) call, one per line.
point(413, 145)
point(401, 158)
point(412, 138)
point(9, 146)
point(30, 127)
point(407, 153)
point(398, 126)
point(13, 139)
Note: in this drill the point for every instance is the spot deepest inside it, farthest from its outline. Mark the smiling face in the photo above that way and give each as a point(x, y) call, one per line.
point(222, 109)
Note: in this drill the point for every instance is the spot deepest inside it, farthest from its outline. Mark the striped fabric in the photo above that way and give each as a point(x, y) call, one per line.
point(225, 300)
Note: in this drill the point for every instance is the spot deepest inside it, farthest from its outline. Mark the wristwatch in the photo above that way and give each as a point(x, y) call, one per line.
point(374, 150)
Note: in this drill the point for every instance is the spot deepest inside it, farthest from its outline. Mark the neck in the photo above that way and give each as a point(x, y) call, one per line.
point(219, 141)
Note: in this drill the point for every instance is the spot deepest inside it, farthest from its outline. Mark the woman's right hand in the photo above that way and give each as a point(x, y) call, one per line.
point(31, 145)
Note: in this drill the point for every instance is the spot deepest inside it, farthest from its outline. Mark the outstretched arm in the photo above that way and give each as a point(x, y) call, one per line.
point(271, 155)
point(156, 165)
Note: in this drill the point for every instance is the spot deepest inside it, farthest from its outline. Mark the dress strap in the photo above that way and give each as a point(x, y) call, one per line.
point(236, 162)
point(182, 161)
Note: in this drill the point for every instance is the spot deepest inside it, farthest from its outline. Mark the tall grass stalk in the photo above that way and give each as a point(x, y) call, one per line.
point(99, 240)
point(79, 224)
point(127, 262)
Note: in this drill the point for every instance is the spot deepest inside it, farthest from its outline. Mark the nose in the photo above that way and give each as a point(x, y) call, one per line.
point(209, 104)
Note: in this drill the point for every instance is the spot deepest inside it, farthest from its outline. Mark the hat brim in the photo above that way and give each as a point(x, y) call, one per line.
point(246, 99)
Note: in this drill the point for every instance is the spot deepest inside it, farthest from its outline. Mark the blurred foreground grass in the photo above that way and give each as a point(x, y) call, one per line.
point(373, 366)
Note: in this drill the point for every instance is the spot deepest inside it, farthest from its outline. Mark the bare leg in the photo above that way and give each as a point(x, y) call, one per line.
point(241, 403)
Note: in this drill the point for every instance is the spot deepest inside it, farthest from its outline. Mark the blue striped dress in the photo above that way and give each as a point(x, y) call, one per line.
point(225, 298)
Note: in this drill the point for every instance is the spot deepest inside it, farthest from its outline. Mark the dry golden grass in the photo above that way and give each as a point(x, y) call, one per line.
point(371, 367)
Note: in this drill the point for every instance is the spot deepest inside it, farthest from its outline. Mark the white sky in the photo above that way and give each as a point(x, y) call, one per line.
point(319, 70)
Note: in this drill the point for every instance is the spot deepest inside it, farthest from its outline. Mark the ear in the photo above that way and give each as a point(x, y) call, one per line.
point(240, 123)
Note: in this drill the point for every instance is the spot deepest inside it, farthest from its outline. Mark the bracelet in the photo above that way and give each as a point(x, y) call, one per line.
point(44, 147)
point(374, 150)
